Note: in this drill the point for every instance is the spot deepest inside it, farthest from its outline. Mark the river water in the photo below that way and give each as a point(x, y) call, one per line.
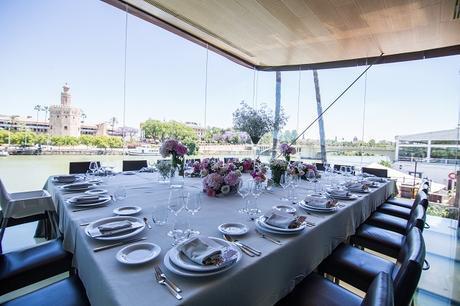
point(22, 173)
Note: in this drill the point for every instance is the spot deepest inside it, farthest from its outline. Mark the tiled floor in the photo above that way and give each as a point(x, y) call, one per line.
point(439, 286)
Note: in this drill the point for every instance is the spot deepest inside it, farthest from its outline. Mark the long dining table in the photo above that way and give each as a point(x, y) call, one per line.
point(252, 281)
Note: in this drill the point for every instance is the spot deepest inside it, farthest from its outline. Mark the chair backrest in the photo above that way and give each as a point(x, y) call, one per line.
point(320, 166)
point(337, 167)
point(421, 199)
point(376, 171)
point(80, 167)
point(133, 165)
point(380, 292)
point(408, 268)
point(417, 219)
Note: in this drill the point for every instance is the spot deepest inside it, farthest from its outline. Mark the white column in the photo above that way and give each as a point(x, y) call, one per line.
point(428, 151)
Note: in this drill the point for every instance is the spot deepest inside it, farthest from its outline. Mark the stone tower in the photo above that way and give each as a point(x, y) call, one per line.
point(64, 119)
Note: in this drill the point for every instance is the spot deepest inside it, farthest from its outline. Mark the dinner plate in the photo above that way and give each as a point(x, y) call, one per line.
point(233, 229)
point(304, 205)
point(129, 172)
point(66, 179)
point(103, 201)
point(274, 228)
point(346, 198)
point(96, 191)
point(138, 253)
point(183, 262)
point(266, 229)
point(76, 188)
point(177, 270)
point(113, 219)
point(127, 210)
point(358, 190)
point(94, 181)
point(285, 208)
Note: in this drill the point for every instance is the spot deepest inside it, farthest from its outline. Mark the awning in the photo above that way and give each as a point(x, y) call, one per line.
point(317, 34)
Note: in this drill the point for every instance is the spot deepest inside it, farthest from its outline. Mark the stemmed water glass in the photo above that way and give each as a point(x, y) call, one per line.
point(93, 167)
point(252, 210)
point(244, 189)
point(176, 202)
point(193, 205)
point(285, 182)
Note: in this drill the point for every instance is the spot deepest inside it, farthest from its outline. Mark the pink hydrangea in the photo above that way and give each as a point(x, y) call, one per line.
point(232, 178)
point(214, 181)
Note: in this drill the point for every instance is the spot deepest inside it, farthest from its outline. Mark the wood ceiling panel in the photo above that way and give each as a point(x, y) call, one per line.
point(307, 32)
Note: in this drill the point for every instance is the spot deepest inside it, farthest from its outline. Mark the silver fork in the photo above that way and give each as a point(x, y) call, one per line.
point(162, 281)
point(160, 272)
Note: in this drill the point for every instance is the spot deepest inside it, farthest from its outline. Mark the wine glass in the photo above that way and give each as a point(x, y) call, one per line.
point(256, 191)
point(193, 205)
point(244, 189)
point(93, 166)
point(285, 181)
point(180, 231)
point(176, 203)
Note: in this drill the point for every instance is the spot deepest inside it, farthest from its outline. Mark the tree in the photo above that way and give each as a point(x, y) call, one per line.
point(46, 110)
point(38, 108)
point(113, 121)
point(255, 122)
point(130, 131)
point(319, 109)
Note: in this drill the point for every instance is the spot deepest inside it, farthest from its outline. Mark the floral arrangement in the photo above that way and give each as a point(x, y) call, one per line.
point(247, 165)
point(278, 167)
point(177, 150)
point(303, 170)
point(218, 177)
point(259, 174)
point(287, 150)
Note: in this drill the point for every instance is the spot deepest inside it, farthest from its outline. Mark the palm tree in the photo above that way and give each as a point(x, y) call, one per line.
point(38, 108)
point(276, 129)
point(319, 109)
point(113, 121)
point(12, 118)
point(46, 110)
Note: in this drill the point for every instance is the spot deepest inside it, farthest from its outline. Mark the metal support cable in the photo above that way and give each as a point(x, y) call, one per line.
point(364, 118)
point(206, 86)
point(335, 100)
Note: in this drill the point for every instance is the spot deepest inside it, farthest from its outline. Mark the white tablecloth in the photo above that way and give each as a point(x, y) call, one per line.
point(253, 281)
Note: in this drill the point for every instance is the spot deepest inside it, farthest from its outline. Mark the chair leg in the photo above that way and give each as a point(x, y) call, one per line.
point(2, 232)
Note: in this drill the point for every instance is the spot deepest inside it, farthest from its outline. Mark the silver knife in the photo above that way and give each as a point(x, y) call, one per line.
point(268, 237)
point(247, 247)
point(109, 246)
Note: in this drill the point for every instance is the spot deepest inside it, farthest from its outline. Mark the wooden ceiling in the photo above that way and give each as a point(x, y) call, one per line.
point(286, 34)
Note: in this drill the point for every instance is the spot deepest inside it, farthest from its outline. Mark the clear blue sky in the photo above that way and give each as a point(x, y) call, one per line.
point(45, 43)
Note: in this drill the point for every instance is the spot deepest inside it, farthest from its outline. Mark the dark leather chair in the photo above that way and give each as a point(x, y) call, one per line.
point(337, 167)
point(408, 203)
point(315, 290)
point(67, 292)
point(404, 212)
point(375, 171)
point(27, 266)
point(320, 166)
point(80, 167)
point(134, 165)
point(396, 224)
point(359, 268)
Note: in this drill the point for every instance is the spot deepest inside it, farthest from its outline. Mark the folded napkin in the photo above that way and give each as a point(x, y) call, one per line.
point(86, 199)
point(357, 186)
point(377, 179)
point(114, 225)
point(279, 219)
point(201, 250)
point(78, 185)
point(65, 178)
point(339, 193)
point(319, 202)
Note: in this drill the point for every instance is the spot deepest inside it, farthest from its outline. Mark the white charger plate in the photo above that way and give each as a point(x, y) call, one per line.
point(181, 261)
point(138, 253)
point(127, 210)
point(96, 191)
point(177, 270)
point(285, 230)
point(265, 229)
point(69, 187)
point(114, 219)
point(103, 201)
point(285, 208)
point(66, 179)
point(233, 229)
point(304, 205)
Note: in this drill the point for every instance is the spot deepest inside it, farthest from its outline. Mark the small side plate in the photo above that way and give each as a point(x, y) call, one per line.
point(96, 191)
point(233, 229)
point(138, 253)
point(127, 210)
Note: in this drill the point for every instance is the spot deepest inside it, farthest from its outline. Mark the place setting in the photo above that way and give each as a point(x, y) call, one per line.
point(279, 222)
point(66, 179)
point(114, 229)
point(202, 257)
point(77, 187)
point(319, 203)
point(86, 201)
